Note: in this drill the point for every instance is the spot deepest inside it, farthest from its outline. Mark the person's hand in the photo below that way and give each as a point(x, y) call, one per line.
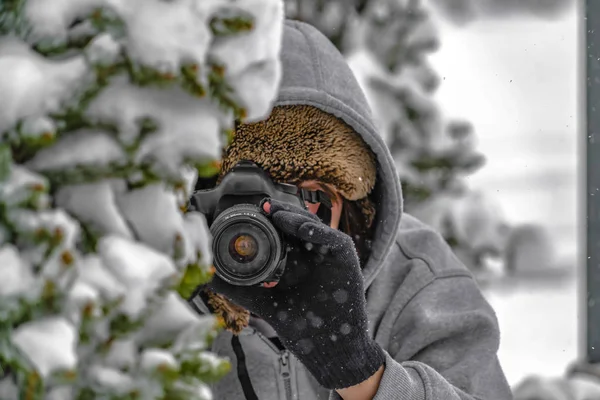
point(319, 314)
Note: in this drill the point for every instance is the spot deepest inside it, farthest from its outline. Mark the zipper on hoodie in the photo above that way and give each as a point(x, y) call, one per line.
point(284, 358)
point(284, 363)
point(267, 341)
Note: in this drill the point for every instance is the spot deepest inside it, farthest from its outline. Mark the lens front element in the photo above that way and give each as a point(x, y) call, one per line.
point(246, 246)
point(243, 248)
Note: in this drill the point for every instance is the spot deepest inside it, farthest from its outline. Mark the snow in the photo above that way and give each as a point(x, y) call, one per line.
point(204, 392)
point(165, 35)
point(314, 319)
point(82, 293)
point(95, 205)
point(85, 148)
point(476, 218)
point(52, 19)
point(17, 274)
point(188, 127)
point(48, 220)
point(194, 337)
point(112, 378)
point(199, 237)
point(255, 72)
point(122, 354)
point(424, 35)
point(538, 327)
point(58, 393)
point(340, 296)
point(138, 267)
point(173, 316)
point(53, 222)
point(33, 86)
point(94, 272)
point(365, 67)
point(83, 30)
point(154, 358)
point(177, 35)
point(20, 185)
point(583, 387)
point(261, 44)
point(150, 207)
point(210, 359)
point(159, 34)
point(189, 175)
point(103, 50)
point(36, 127)
point(255, 88)
point(48, 343)
point(345, 329)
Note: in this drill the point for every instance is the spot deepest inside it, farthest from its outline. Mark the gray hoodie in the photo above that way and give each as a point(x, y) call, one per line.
point(425, 310)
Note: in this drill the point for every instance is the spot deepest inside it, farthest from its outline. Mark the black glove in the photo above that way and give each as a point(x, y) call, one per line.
point(322, 317)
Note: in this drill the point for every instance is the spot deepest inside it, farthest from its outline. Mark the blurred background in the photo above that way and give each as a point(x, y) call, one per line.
point(515, 80)
point(477, 100)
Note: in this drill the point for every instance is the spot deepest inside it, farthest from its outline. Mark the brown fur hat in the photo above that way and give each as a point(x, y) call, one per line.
point(298, 143)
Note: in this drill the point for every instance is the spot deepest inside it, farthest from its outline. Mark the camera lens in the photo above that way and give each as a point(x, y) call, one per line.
point(247, 248)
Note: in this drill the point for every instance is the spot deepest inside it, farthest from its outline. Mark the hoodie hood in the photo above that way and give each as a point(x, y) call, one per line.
point(316, 74)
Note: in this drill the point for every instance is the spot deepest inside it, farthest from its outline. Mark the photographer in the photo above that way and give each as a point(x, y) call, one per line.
point(372, 304)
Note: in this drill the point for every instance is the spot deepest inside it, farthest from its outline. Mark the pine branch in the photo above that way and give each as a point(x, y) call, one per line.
point(11, 20)
point(5, 161)
point(231, 22)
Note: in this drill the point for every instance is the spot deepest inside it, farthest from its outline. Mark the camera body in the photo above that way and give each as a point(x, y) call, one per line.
point(247, 249)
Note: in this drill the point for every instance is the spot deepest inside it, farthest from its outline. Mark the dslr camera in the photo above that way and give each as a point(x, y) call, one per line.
point(247, 249)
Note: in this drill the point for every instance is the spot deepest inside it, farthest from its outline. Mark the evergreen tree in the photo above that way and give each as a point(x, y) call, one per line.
point(466, 11)
point(387, 43)
point(110, 111)
point(432, 154)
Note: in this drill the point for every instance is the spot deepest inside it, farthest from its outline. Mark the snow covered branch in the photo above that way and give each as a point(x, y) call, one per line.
point(110, 110)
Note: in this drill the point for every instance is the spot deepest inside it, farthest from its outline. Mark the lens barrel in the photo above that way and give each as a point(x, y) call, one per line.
point(247, 249)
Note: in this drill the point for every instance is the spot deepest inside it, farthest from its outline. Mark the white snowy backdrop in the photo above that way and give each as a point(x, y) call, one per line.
point(516, 81)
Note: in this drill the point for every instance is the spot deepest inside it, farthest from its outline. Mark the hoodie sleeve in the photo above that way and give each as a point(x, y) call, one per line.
point(443, 346)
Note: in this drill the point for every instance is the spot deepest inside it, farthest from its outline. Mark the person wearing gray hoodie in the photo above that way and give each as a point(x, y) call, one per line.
point(388, 311)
